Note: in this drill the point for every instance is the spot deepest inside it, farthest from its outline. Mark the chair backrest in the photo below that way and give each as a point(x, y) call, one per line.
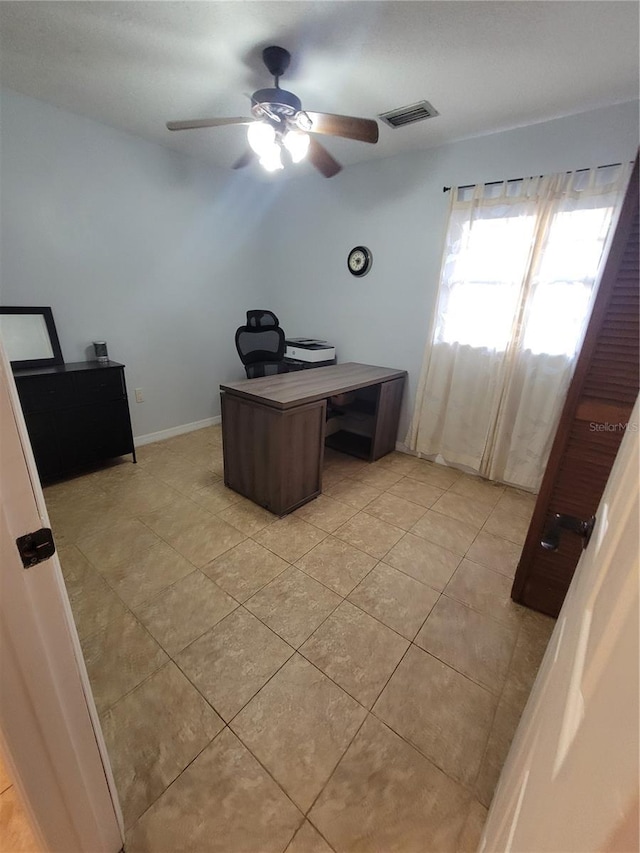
point(262, 318)
point(256, 344)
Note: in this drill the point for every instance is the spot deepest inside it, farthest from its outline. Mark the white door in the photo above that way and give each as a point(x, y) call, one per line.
point(49, 730)
point(570, 782)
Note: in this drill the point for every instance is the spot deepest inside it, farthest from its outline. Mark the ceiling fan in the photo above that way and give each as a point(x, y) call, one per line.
point(280, 126)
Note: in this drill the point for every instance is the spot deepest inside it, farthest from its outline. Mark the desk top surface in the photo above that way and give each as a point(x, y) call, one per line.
point(286, 390)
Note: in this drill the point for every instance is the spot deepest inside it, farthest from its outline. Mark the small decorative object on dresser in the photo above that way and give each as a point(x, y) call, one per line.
point(77, 415)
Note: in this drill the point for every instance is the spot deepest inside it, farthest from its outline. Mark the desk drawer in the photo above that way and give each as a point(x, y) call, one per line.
point(96, 386)
point(45, 393)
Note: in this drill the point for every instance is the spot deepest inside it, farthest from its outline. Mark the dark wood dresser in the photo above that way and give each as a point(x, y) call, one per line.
point(77, 415)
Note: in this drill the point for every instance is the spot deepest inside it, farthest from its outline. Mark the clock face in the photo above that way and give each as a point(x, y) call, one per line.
point(359, 261)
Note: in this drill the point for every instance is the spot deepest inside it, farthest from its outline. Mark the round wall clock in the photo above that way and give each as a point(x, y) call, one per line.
point(359, 261)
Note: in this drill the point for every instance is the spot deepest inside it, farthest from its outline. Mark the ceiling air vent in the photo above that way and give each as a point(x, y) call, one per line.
point(407, 115)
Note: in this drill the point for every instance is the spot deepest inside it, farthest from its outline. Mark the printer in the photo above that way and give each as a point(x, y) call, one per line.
point(309, 352)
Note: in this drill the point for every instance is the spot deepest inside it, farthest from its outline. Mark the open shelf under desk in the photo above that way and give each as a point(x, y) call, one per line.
point(351, 443)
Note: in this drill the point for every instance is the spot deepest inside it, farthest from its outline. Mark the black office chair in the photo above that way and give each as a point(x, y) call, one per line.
point(261, 345)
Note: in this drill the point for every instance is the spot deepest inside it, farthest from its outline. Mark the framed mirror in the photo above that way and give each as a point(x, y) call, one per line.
point(29, 337)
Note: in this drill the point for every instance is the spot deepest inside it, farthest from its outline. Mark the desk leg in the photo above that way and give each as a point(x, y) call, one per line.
point(273, 457)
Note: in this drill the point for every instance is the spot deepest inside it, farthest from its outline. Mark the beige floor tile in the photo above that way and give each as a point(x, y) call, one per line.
point(152, 734)
point(181, 474)
point(336, 564)
point(93, 602)
point(147, 452)
point(424, 561)
point(142, 577)
point(293, 605)
point(346, 465)
point(436, 475)
point(475, 645)
point(507, 524)
point(397, 461)
point(376, 477)
point(370, 534)
point(74, 564)
point(527, 656)
point(5, 781)
point(298, 726)
point(519, 502)
point(224, 802)
point(170, 521)
point(447, 532)
point(464, 509)
point(442, 713)
point(184, 611)
point(308, 840)
point(216, 497)
point(478, 489)
point(396, 599)
point(16, 835)
point(469, 839)
point(247, 517)
point(121, 541)
point(356, 651)
point(486, 591)
point(384, 796)
point(141, 493)
point(331, 477)
point(396, 510)
point(118, 658)
point(244, 569)
point(326, 512)
point(422, 494)
point(351, 492)
point(495, 553)
point(85, 516)
point(502, 732)
point(290, 538)
point(232, 661)
point(202, 543)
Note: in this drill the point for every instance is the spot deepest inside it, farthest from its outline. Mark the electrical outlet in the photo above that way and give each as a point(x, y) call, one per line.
point(139, 395)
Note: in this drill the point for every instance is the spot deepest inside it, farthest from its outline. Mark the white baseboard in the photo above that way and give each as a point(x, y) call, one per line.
point(150, 437)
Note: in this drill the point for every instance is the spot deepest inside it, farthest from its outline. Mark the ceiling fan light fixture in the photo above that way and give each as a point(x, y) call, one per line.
point(297, 144)
point(261, 136)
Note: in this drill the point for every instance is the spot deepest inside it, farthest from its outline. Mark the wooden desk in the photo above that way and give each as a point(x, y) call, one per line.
point(274, 428)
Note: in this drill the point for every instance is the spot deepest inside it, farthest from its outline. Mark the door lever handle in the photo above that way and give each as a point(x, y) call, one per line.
point(551, 537)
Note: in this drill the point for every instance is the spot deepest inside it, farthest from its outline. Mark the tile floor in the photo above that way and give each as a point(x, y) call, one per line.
point(346, 678)
point(15, 830)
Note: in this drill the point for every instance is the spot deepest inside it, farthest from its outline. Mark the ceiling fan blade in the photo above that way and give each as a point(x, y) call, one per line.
point(207, 122)
point(350, 127)
point(321, 159)
point(248, 157)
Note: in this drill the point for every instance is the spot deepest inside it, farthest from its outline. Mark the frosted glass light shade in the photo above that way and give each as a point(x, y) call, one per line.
point(261, 137)
point(270, 158)
point(297, 144)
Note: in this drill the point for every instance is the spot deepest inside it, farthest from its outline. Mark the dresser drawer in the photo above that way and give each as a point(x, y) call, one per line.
point(45, 393)
point(97, 386)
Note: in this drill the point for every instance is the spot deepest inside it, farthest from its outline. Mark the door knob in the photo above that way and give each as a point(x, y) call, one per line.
point(551, 536)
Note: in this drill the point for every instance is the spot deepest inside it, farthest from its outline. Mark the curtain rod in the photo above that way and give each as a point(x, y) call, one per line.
point(515, 180)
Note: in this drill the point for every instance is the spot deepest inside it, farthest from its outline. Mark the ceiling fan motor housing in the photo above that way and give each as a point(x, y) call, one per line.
point(276, 59)
point(277, 101)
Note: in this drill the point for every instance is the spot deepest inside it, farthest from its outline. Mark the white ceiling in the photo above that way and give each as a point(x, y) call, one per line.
point(484, 65)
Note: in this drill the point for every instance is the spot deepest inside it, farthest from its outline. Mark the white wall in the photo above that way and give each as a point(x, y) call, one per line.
point(130, 243)
point(160, 255)
point(397, 208)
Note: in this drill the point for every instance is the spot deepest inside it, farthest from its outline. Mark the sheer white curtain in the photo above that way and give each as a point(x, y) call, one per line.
point(516, 289)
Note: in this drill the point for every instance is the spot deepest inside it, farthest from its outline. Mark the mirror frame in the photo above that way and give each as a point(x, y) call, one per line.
point(47, 314)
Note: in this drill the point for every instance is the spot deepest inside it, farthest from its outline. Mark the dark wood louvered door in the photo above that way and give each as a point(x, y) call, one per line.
point(598, 405)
